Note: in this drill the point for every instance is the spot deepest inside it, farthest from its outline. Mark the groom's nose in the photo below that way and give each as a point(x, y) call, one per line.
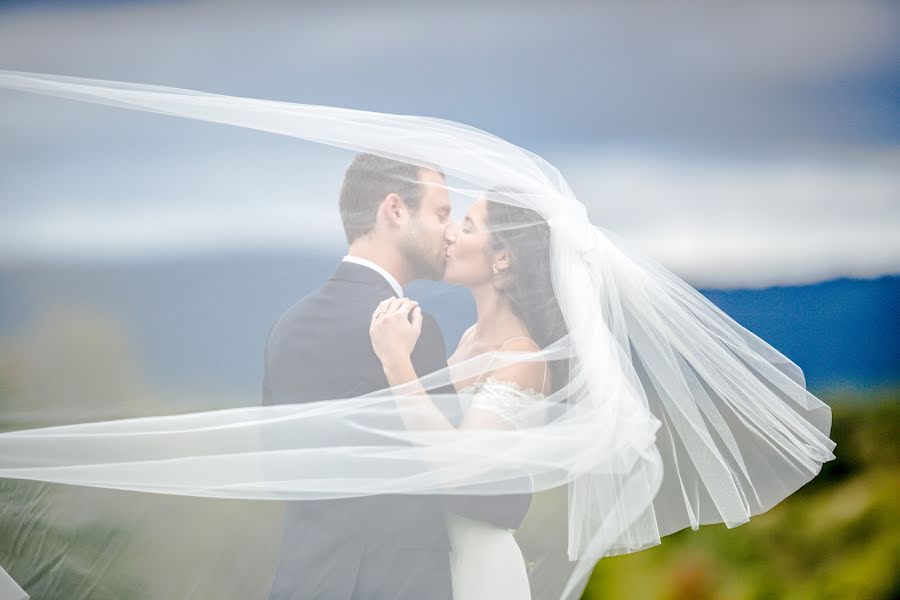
point(450, 233)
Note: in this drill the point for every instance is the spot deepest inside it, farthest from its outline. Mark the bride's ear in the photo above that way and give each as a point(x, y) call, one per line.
point(501, 261)
point(500, 268)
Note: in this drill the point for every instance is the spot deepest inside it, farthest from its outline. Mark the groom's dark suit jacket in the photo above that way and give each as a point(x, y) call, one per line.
point(373, 547)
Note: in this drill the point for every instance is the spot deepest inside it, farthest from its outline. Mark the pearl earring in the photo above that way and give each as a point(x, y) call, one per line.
point(496, 270)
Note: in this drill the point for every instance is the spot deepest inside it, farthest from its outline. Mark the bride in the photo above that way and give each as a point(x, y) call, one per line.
point(501, 254)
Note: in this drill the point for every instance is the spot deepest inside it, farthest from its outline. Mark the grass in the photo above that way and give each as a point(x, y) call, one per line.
point(836, 538)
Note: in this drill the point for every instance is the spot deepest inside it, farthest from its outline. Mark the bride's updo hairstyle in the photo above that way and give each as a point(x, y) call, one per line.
point(528, 284)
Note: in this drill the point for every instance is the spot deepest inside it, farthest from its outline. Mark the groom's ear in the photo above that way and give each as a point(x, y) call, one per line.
point(394, 209)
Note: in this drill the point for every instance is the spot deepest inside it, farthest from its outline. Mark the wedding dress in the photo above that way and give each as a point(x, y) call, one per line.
point(485, 560)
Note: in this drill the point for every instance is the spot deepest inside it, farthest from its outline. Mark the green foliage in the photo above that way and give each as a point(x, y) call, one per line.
point(836, 538)
point(47, 551)
point(51, 559)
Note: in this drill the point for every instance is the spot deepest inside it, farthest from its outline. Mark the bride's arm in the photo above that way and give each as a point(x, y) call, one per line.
point(395, 328)
point(394, 335)
point(396, 325)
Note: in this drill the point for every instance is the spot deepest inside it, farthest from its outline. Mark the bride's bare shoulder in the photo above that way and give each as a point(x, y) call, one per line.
point(525, 374)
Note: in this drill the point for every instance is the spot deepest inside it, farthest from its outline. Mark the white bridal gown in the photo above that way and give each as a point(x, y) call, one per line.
point(486, 563)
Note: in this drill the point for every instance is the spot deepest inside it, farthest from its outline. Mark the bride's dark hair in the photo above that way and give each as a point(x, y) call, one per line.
point(528, 282)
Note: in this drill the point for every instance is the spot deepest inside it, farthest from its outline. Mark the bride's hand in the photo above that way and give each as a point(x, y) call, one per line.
point(394, 334)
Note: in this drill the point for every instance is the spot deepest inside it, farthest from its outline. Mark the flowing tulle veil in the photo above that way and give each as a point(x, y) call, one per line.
point(673, 414)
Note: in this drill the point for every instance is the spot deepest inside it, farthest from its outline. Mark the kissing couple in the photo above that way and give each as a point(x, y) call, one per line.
point(358, 333)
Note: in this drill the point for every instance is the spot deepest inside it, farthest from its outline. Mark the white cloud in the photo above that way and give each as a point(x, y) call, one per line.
point(716, 224)
point(724, 224)
point(170, 230)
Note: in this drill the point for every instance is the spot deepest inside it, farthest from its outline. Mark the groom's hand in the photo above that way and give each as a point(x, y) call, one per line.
point(395, 328)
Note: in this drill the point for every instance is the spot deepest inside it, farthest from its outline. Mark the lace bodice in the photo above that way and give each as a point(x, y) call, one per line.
point(522, 407)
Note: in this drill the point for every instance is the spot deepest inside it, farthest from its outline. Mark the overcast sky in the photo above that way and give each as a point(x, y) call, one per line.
point(740, 144)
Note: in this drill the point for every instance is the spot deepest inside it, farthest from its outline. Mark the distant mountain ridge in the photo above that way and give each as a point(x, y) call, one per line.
point(201, 323)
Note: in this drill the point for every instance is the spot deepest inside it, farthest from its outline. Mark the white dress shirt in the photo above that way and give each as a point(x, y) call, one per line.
point(368, 263)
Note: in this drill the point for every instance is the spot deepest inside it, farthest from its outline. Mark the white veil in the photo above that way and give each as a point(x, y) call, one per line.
point(672, 415)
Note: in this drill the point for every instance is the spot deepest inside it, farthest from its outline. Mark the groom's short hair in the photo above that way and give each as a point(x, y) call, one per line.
point(368, 180)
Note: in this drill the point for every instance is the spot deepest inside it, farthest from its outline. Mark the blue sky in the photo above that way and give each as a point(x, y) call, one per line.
point(741, 145)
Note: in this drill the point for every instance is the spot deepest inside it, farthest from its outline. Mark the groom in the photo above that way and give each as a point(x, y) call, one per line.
point(396, 219)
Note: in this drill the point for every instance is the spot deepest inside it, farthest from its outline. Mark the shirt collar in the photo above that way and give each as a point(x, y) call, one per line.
point(368, 263)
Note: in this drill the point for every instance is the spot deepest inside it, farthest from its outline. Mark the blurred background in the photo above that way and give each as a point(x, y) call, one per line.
point(752, 148)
